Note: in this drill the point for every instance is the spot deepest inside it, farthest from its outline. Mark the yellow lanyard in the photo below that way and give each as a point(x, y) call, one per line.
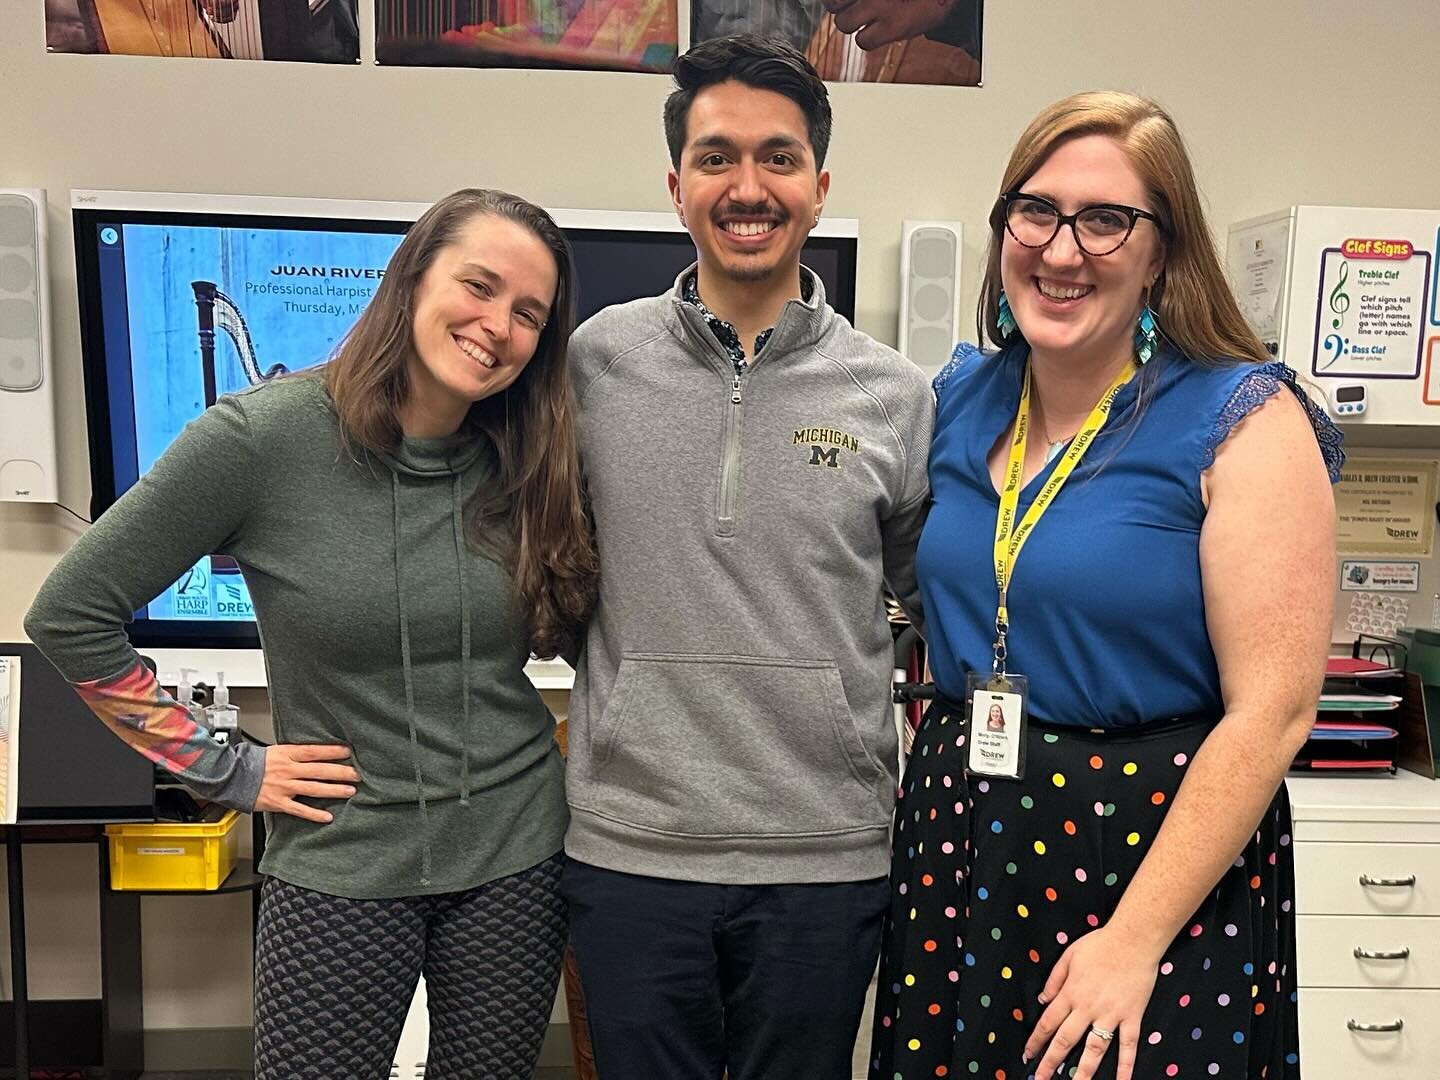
point(1009, 537)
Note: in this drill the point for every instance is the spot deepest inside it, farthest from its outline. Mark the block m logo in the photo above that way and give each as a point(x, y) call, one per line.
point(821, 456)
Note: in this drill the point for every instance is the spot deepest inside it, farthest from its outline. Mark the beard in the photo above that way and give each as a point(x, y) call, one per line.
point(749, 272)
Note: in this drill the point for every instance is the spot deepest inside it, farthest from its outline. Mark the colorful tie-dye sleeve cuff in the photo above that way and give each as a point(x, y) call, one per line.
point(142, 713)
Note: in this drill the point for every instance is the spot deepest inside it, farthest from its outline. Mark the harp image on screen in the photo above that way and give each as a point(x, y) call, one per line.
point(214, 309)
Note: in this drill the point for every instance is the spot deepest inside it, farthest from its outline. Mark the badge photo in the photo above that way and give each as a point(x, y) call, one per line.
point(995, 711)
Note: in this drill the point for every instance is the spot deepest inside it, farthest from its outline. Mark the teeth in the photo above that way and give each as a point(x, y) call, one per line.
point(1057, 292)
point(479, 355)
point(749, 228)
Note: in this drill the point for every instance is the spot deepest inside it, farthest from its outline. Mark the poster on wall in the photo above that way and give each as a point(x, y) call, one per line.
point(1256, 260)
point(1386, 507)
point(607, 35)
point(1370, 309)
point(878, 41)
point(318, 31)
point(1358, 575)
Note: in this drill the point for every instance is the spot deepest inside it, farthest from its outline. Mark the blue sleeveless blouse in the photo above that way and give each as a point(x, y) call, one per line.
point(1107, 615)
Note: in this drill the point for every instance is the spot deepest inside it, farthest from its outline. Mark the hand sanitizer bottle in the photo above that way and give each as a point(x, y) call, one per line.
point(185, 697)
point(222, 718)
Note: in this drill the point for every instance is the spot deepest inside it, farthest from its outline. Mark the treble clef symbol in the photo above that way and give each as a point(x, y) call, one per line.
point(1339, 298)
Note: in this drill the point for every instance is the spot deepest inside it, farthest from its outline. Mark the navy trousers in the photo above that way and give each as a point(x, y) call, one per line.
point(690, 981)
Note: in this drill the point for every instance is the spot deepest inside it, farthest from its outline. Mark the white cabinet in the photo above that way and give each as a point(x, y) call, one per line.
point(1367, 901)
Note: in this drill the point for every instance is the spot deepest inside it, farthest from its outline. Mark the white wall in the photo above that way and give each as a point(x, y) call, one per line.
point(1325, 102)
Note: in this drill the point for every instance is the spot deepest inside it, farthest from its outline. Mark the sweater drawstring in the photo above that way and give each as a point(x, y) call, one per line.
point(409, 677)
point(457, 524)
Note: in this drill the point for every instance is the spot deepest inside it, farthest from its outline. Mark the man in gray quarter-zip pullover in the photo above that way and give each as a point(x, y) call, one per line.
point(757, 471)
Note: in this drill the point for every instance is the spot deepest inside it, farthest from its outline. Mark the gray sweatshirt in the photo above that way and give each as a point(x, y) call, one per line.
point(731, 718)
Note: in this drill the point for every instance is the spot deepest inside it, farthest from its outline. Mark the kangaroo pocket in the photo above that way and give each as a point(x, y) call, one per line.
point(733, 746)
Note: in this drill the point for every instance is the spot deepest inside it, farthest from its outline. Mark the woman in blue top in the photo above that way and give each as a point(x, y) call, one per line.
point(1132, 543)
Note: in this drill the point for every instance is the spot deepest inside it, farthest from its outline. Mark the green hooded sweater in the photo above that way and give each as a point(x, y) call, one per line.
point(381, 630)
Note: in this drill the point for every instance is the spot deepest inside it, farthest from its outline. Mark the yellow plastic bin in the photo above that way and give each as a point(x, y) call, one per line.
point(175, 856)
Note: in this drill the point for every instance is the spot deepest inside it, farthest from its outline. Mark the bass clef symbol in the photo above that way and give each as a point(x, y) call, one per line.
point(1339, 298)
point(1336, 346)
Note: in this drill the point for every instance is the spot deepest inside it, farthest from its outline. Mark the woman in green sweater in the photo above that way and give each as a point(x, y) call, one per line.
point(410, 522)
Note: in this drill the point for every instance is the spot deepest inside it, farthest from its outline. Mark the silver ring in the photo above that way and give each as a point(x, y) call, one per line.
point(1102, 1033)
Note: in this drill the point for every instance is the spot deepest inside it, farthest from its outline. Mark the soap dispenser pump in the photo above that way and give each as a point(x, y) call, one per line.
point(222, 718)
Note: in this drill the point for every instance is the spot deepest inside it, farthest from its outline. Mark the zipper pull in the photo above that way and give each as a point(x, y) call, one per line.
point(735, 390)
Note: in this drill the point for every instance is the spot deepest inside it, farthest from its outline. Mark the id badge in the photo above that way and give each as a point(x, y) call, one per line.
point(995, 706)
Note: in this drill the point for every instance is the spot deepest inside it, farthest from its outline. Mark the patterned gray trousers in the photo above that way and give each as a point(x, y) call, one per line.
point(334, 978)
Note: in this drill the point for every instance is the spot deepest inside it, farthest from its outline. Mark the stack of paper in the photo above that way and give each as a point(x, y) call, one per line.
point(1348, 736)
point(1349, 667)
point(1357, 701)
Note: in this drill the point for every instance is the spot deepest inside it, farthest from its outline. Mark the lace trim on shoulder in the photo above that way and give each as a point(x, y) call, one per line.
point(964, 352)
point(1259, 385)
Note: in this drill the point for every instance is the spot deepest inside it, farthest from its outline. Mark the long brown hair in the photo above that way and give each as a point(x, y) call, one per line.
point(540, 507)
point(1191, 300)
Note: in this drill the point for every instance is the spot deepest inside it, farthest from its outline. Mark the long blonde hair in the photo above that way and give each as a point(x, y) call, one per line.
point(1191, 300)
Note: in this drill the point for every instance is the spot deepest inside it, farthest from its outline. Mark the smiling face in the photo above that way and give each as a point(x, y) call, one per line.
point(1064, 300)
point(747, 188)
point(478, 313)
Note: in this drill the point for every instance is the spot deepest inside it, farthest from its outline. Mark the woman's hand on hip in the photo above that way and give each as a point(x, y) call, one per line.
point(297, 770)
point(1100, 985)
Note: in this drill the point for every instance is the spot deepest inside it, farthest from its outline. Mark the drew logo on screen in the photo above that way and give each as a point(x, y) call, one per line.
point(232, 598)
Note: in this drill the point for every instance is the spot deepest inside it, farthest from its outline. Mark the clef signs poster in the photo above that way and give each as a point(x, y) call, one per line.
point(1370, 311)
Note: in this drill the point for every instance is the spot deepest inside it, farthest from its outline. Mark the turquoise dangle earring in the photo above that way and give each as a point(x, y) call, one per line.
point(1004, 317)
point(1147, 335)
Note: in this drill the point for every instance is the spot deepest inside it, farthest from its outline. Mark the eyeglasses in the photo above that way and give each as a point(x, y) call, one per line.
point(1100, 229)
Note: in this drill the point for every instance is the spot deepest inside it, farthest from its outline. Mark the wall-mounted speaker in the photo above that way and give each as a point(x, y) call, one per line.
point(27, 387)
point(930, 257)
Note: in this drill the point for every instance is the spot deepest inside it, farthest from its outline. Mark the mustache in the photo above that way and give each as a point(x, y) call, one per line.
point(735, 209)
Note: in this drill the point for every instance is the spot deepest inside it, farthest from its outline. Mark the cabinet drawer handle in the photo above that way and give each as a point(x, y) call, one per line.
point(1394, 1025)
point(1388, 882)
point(1382, 954)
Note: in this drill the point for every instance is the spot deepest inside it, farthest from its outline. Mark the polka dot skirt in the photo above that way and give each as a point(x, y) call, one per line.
point(993, 878)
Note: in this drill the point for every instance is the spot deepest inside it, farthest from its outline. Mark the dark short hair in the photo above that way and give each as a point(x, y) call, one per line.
point(766, 63)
